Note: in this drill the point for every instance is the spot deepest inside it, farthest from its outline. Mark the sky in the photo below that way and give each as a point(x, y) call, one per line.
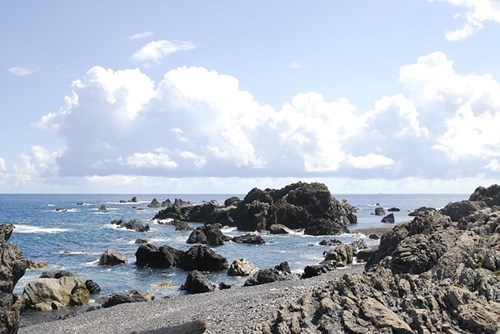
point(388, 96)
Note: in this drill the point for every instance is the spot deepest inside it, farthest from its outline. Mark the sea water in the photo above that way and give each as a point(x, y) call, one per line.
point(70, 232)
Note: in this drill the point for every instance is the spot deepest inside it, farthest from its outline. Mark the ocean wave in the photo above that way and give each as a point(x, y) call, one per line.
point(68, 252)
point(37, 229)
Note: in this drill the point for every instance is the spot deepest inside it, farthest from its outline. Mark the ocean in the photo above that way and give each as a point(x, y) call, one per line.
point(69, 232)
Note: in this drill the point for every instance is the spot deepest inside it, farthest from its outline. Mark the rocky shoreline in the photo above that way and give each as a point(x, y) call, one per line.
point(436, 273)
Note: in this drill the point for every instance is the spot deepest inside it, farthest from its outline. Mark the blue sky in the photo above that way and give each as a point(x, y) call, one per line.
point(221, 96)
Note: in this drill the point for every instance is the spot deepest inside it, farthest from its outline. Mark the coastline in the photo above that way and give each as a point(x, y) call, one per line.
point(236, 310)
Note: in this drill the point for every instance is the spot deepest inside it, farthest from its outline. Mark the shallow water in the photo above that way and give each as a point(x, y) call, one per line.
point(69, 232)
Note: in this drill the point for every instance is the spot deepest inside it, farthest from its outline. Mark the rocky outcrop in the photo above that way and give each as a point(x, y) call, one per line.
point(134, 225)
point(132, 296)
point(45, 294)
point(197, 282)
point(457, 210)
point(341, 255)
point(208, 234)
point(241, 267)
point(198, 257)
point(280, 272)
point(379, 211)
point(490, 195)
point(112, 258)
point(300, 205)
point(430, 275)
point(12, 268)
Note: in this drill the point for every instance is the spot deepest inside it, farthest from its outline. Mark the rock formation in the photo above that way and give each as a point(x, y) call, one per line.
point(12, 268)
point(435, 274)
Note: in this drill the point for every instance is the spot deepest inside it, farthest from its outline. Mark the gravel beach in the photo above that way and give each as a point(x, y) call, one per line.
point(236, 310)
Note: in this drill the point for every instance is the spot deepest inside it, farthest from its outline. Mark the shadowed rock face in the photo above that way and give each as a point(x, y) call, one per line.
point(429, 275)
point(12, 268)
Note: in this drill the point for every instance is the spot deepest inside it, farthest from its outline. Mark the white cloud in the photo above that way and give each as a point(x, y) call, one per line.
point(493, 165)
point(155, 51)
point(370, 161)
point(3, 167)
point(113, 123)
point(475, 13)
point(141, 35)
point(20, 71)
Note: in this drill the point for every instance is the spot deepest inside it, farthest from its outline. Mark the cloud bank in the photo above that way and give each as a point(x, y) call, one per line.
point(199, 123)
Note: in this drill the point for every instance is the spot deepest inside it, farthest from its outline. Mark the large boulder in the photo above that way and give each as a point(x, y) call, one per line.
point(45, 294)
point(112, 258)
point(389, 219)
point(202, 258)
point(280, 272)
point(241, 267)
point(12, 268)
point(342, 255)
point(208, 234)
point(157, 257)
point(197, 282)
point(249, 239)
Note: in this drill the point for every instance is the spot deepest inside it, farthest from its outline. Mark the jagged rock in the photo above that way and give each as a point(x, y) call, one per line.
point(319, 269)
point(181, 225)
point(421, 211)
point(388, 219)
point(241, 267)
point(280, 272)
point(394, 210)
point(196, 282)
point(154, 203)
point(208, 234)
point(490, 195)
point(102, 207)
point(231, 201)
point(134, 225)
point(112, 258)
point(92, 286)
point(428, 276)
point(133, 296)
point(12, 268)
point(457, 210)
point(341, 255)
point(202, 258)
point(45, 294)
point(249, 239)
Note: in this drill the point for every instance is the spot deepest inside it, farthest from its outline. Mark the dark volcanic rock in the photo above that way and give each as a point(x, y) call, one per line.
point(379, 211)
point(280, 272)
point(388, 219)
point(457, 210)
point(319, 269)
point(134, 225)
point(92, 286)
point(322, 226)
point(208, 234)
point(56, 274)
point(157, 257)
point(394, 210)
point(196, 282)
point(231, 201)
point(421, 211)
point(12, 268)
point(249, 239)
point(490, 195)
point(202, 258)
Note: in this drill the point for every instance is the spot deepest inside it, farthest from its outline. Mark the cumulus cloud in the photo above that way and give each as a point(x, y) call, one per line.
point(155, 51)
point(141, 35)
point(20, 71)
point(199, 123)
point(475, 13)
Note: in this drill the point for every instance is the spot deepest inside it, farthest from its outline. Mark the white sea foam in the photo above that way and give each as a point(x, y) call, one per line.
point(67, 252)
point(37, 229)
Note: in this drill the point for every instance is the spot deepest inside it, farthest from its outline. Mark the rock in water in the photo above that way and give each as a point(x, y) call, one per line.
point(112, 258)
point(196, 282)
point(389, 219)
point(241, 267)
point(12, 268)
point(45, 294)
